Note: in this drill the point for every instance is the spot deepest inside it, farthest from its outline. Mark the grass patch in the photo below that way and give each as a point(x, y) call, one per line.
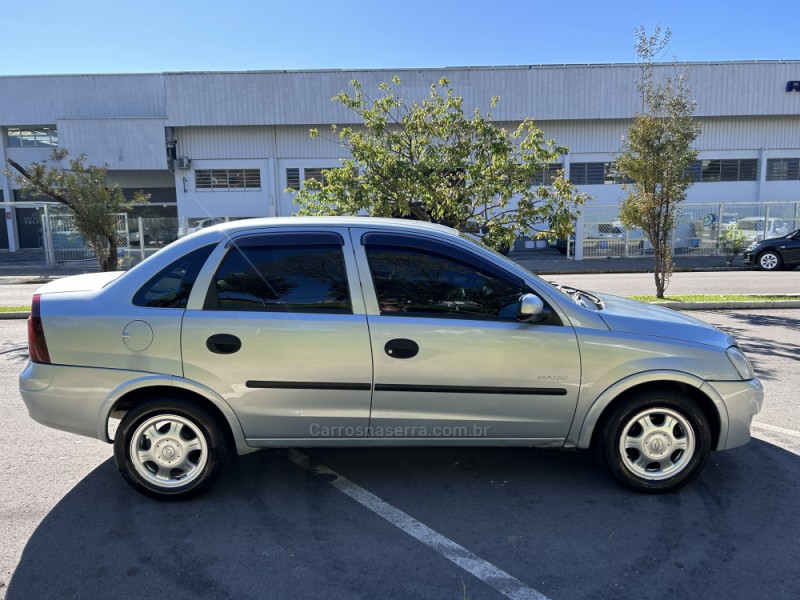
point(719, 298)
point(23, 308)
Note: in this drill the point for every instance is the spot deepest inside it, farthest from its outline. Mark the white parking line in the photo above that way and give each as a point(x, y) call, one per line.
point(506, 584)
point(778, 436)
point(776, 429)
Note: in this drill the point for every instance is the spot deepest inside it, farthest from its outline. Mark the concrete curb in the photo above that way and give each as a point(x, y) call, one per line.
point(732, 305)
point(14, 315)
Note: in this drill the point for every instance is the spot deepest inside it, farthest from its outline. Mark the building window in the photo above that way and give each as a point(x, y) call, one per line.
point(729, 169)
point(596, 173)
point(611, 175)
point(39, 136)
point(228, 179)
point(783, 169)
point(293, 178)
point(547, 175)
point(315, 174)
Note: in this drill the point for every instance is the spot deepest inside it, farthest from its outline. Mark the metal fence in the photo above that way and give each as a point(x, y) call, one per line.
point(599, 232)
point(64, 246)
point(137, 238)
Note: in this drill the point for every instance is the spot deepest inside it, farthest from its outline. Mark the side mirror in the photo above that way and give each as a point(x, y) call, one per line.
point(530, 308)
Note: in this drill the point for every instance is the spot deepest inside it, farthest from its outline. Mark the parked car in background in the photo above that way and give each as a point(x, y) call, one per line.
point(134, 236)
point(754, 228)
point(372, 332)
point(775, 253)
point(203, 223)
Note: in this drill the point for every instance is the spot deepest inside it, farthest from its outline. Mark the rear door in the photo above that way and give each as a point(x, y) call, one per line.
point(282, 336)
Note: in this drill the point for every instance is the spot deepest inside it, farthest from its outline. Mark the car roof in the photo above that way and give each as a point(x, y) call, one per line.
point(406, 224)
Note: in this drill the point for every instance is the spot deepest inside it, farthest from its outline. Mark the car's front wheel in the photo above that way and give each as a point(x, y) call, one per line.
point(655, 442)
point(169, 450)
point(769, 261)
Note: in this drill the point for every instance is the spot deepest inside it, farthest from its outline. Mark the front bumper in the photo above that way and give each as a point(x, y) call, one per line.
point(741, 401)
point(749, 258)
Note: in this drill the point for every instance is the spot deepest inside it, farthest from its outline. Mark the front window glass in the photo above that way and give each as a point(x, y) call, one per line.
point(410, 281)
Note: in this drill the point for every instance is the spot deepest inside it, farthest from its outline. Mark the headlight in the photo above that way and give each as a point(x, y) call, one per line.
point(740, 362)
point(752, 246)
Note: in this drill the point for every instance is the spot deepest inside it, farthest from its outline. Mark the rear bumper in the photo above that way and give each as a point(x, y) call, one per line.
point(69, 398)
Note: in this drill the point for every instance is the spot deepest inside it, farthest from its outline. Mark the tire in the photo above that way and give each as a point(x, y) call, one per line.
point(654, 443)
point(191, 449)
point(769, 260)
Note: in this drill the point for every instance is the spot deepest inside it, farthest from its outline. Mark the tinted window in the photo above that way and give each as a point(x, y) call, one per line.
point(171, 287)
point(290, 278)
point(411, 281)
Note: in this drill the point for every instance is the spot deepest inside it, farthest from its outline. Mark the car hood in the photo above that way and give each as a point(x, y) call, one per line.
point(80, 283)
point(772, 240)
point(629, 316)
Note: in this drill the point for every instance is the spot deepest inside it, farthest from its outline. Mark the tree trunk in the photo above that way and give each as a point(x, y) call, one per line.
point(110, 262)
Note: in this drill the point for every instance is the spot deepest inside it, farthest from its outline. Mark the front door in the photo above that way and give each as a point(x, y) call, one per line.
point(451, 359)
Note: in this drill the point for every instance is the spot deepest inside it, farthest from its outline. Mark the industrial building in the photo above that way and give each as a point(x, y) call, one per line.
point(229, 145)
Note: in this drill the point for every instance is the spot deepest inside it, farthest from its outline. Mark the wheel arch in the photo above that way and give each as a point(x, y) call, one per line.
point(134, 393)
point(682, 383)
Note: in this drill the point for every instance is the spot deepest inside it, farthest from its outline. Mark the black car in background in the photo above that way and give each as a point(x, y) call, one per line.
point(775, 253)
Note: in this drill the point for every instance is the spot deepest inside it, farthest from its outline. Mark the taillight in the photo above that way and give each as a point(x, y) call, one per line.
point(37, 345)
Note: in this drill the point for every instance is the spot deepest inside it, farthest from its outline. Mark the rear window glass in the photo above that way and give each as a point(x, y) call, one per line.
point(171, 287)
point(277, 278)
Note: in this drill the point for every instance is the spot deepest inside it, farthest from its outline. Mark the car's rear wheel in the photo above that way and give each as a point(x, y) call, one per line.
point(170, 450)
point(655, 442)
point(769, 260)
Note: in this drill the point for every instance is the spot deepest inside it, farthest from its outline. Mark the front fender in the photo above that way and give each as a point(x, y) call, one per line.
point(148, 381)
point(580, 435)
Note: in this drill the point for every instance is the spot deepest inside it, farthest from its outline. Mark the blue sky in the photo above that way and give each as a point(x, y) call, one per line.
point(123, 36)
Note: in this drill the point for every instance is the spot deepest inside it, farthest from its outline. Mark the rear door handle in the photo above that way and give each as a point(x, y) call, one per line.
point(401, 348)
point(223, 343)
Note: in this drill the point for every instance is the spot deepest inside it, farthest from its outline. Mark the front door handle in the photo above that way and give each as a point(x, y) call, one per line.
point(223, 343)
point(401, 348)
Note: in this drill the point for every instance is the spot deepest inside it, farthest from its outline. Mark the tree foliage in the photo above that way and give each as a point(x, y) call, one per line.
point(430, 160)
point(83, 190)
point(732, 242)
point(657, 153)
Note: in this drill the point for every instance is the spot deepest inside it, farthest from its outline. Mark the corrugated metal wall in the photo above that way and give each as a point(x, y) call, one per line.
point(121, 143)
point(40, 100)
point(579, 92)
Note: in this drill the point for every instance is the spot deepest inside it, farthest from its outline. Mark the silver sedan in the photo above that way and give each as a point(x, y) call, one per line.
point(360, 331)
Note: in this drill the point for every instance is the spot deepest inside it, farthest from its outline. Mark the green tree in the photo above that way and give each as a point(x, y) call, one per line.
point(657, 153)
point(431, 161)
point(84, 191)
point(732, 242)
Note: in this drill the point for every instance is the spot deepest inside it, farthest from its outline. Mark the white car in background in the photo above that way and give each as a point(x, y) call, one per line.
point(753, 228)
point(202, 224)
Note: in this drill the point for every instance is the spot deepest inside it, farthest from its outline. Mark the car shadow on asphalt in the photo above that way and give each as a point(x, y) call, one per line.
point(14, 353)
point(762, 350)
point(552, 519)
